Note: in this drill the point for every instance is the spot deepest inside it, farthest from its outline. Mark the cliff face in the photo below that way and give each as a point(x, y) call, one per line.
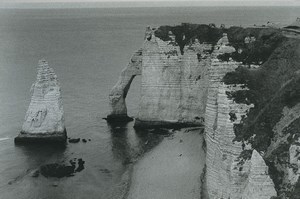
point(173, 85)
point(226, 175)
point(44, 120)
point(243, 85)
point(272, 125)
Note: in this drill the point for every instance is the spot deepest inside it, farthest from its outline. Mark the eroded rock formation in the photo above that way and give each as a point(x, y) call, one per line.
point(44, 120)
point(243, 85)
point(119, 92)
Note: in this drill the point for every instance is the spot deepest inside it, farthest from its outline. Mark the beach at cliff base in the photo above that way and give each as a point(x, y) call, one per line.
point(172, 169)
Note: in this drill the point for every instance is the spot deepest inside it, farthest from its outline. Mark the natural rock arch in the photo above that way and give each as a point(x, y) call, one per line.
point(117, 96)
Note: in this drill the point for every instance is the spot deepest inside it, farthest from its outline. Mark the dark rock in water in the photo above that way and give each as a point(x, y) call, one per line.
point(56, 170)
point(80, 165)
point(74, 140)
point(60, 170)
point(141, 124)
point(72, 162)
point(118, 119)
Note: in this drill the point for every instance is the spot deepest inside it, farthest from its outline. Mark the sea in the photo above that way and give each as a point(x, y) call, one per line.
point(88, 48)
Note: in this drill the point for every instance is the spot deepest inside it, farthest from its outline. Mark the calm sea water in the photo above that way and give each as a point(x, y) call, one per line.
point(87, 49)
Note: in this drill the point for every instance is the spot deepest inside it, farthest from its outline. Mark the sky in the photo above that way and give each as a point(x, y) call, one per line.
point(146, 3)
point(40, 1)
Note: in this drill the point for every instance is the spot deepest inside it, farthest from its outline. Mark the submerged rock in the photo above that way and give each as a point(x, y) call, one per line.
point(61, 170)
point(44, 120)
point(74, 140)
point(56, 170)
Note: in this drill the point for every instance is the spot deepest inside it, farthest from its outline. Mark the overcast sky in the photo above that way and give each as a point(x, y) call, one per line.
point(130, 3)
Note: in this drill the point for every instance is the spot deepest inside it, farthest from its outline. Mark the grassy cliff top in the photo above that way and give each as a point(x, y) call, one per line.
point(186, 33)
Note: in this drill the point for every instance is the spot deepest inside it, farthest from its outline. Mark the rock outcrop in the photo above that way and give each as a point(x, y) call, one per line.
point(44, 120)
point(119, 92)
point(243, 85)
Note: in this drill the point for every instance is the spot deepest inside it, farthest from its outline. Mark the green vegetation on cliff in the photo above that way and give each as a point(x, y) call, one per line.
point(253, 45)
point(272, 86)
point(185, 33)
point(248, 53)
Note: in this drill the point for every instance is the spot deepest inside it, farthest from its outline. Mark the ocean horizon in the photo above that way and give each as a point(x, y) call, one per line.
point(143, 4)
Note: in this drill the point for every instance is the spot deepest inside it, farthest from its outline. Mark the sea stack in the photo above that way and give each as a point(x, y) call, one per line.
point(44, 120)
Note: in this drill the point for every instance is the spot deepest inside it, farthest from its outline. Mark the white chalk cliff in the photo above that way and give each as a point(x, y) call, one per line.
point(173, 85)
point(117, 96)
point(44, 120)
point(225, 176)
point(188, 88)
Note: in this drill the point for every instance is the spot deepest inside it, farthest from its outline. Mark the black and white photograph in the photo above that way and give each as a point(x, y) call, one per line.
point(141, 99)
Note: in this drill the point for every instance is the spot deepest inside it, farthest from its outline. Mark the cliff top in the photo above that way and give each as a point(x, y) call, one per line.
point(187, 33)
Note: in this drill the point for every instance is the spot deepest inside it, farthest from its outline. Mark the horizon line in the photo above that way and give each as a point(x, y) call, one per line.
point(129, 4)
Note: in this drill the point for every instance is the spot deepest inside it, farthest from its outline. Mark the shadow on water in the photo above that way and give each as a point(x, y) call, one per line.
point(30, 157)
point(129, 144)
point(49, 160)
point(54, 166)
point(37, 154)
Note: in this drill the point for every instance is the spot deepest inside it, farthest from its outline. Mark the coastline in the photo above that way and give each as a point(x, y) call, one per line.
point(170, 170)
